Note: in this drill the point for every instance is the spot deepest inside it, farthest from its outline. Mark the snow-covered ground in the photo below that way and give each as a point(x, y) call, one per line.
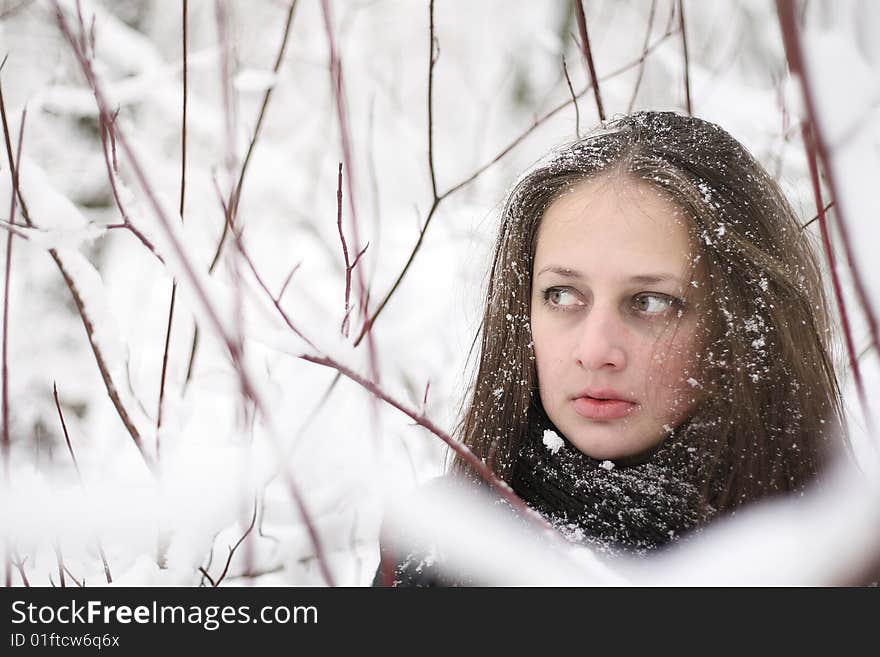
point(299, 435)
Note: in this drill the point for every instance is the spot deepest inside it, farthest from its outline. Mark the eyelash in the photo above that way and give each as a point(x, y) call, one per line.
point(674, 302)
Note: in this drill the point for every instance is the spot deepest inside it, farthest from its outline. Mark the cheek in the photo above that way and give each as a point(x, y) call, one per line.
point(672, 374)
point(547, 351)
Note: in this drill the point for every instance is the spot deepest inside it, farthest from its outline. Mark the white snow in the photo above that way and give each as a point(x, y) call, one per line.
point(552, 441)
point(345, 451)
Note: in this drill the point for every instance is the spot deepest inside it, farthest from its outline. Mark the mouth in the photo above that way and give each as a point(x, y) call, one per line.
point(602, 406)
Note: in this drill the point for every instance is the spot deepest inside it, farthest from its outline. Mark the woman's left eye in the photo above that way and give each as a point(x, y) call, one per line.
point(653, 304)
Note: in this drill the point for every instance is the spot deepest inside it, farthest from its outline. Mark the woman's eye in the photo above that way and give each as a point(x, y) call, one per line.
point(653, 304)
point(561, 296)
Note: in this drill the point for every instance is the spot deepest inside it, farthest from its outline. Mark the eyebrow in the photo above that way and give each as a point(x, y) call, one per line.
point(643, 279)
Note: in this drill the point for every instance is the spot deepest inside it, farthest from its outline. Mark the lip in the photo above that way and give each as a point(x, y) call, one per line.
point(602, 409)
point(602, 405)
point(603, 394)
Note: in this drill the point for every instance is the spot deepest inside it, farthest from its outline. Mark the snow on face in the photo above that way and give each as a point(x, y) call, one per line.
point(609, 319)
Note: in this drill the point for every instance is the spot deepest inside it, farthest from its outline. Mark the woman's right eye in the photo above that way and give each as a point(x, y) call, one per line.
point(562, 297)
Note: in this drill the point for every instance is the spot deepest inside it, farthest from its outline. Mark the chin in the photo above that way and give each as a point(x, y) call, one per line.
point(604, 447)
point(611, 445)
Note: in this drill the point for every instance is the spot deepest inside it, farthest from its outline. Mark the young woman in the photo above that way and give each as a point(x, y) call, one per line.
point(656, 340)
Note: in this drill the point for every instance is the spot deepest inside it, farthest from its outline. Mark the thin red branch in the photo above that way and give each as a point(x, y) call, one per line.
point(13, 171)
point(207, 576)
point(577, 112)
point(348, 160)
point(247, 387)
point(66, 435)
point(794, 54)
point(809, 145)
point(106, 131)
point(371, 320)
point(80, 306)
point(83, 39)
point(638, 84)
point(360, 255)
point(297, 498)
point(276, 301)
point(433, 47)
point(344, 251)
point(588, 56)
point(236, 195)
point(79, 477)
point(15, 8)
point(233, 202)
point(684, 54)
point(185, 40)
point(75, 580)
point(13, 230)
point(113, 141)
point(140, 175)
point(287, 282)
point(225, 51)
point(421, 419)
point(234, 548)
point(180, 211)
point(61, 568)
point(827, 207)
point(18, 562)
point(102, 365)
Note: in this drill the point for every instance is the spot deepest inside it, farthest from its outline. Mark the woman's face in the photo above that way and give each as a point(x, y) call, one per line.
point(615, 343)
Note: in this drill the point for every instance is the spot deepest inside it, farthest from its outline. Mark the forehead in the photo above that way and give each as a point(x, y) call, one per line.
point(618, 226)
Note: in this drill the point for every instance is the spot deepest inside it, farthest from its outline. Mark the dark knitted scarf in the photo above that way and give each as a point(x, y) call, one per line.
point(619, 506)
point(623, 507)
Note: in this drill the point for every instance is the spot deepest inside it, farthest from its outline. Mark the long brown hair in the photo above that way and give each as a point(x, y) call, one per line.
point(773, 413)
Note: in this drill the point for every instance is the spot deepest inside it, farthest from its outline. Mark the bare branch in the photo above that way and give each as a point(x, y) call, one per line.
point(344, 252)
point(171, 304)
point(234, 548)
point(79, 477)
point(236, 195)
point(60, 561)
point(201, 294)
point(14, 8)
point(232, 204)
point(794, 55)
point(347, 158)
point(66, 435)
point(419, 418)
point(18, 562)
point(80, 306)
point(75, 580)
point(13, 171)
point(371, 320)
point(827, 207)
point(577, 112)
point(287, 281)
point(102, 365)
point(588, 56)
point(684, 53)
point(433, 47)
point(638, 84)
point(12, 229)
point(275, 301)
point(207, 576)
point(106, 129)
point(809, 145)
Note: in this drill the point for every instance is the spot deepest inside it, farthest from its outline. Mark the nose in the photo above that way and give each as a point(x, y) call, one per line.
point(601, 340)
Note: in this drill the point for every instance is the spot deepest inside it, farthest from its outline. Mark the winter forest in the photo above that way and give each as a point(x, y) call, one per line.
point(245, 248)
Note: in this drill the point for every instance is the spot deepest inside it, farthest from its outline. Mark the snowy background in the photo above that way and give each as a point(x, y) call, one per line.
point(305, 435)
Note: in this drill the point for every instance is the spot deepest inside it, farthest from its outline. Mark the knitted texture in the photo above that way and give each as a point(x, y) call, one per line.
point(620, 506)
